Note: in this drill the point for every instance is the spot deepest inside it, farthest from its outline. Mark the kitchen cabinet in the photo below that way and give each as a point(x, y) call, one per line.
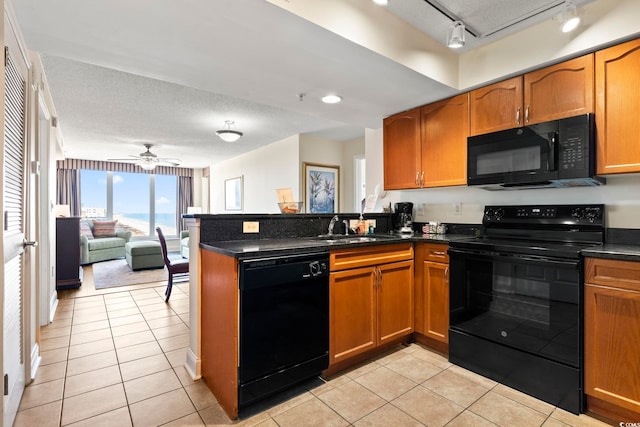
point(401, 150)
point(427, 146)
point(432, 295)
point(445, 128)
point(370, 299)
point(555, 92)
point(612, 338)
point(617, 102)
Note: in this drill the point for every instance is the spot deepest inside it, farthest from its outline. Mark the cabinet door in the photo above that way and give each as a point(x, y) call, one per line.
point(496, 107)
point(401, 150)
point(612, 345)
point(559, 91)
point(395, 300)
point(435, 288)
point(445, 128)
point(617, 104)
point(352, 313)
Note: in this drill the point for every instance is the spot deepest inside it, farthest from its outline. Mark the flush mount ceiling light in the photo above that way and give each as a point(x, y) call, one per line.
point(569, 18)
point(331, 99)
point(455, 35)
point(227, 134)
point(381, 2)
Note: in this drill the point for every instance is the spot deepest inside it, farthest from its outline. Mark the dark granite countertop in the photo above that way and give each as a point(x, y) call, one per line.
point(245, 249)
point(614, 251)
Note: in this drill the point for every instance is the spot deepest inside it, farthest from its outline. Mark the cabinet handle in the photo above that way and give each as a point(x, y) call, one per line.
point(526, 115)
point(446, 274)
point(438, 253)
point(422, 179)
point(518, 116)
point(417, 176)
point(378, 277)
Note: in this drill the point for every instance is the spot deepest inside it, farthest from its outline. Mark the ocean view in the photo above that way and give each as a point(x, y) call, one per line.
point(138, 223)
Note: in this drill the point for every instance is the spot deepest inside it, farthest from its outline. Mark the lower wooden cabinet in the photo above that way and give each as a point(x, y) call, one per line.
point(371, 299)
point(612, 338)
point(432, 294)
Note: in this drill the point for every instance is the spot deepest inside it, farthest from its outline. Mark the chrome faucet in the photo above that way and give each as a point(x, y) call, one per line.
point(332, 224)
point(346, 227)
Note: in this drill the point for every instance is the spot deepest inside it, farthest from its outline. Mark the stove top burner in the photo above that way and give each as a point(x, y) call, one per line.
point(524, 247)
point(561, 231)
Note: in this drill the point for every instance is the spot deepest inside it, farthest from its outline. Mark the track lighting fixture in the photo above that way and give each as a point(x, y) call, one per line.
point(455, 36)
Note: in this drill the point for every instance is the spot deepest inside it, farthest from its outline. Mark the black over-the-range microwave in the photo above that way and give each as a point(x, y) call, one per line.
point(559, 153)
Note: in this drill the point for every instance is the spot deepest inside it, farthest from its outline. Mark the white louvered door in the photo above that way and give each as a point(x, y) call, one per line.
point(14, 175)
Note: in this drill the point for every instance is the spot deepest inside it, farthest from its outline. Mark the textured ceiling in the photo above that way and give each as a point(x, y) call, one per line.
point(123, 73)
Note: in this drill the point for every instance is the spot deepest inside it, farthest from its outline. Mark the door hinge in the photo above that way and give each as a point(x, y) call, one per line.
point(6, 384)
point(6, 55)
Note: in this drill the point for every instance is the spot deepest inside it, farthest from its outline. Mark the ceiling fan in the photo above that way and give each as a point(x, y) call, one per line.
point(148, 160)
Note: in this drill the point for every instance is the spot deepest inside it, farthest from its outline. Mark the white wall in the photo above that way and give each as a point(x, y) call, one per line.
point(350, 149)
point(264, 170)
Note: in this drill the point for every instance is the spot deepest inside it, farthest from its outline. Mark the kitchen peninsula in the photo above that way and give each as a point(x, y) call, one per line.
point(366, 263)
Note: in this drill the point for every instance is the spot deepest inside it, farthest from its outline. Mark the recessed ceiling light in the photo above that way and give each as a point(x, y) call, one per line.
point(381, 2)
point(331, 99)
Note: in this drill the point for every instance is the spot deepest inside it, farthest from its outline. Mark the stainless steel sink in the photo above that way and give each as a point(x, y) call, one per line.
point(340, 238)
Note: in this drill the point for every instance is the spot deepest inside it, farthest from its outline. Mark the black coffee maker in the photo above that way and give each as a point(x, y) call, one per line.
point(403, 217)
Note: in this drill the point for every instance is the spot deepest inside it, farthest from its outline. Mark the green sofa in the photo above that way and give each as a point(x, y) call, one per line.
point(184, 244)
point(102, 248)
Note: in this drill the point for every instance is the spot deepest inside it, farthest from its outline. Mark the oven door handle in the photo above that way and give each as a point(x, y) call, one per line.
point(519, 257)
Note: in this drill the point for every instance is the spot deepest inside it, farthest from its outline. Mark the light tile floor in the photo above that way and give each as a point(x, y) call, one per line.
point(116, 359)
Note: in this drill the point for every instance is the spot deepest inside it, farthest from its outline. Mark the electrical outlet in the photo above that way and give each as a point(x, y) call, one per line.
point(457, 208)
point(250, 227)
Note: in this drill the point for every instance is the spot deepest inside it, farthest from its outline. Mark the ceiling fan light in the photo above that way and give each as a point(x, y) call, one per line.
point(148, 166)
point(227, 134)
point(455, 35)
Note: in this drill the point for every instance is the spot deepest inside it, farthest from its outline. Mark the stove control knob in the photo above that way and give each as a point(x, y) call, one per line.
point(488, 213)
point(593, 214)
point(499, 213)
point(577, 214)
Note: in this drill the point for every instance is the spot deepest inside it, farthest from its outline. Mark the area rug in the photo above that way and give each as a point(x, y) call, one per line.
point(114, 273)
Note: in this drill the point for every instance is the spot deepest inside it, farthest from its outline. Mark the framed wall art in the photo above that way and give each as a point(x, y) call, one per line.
point(233, 194)
point(321, 188)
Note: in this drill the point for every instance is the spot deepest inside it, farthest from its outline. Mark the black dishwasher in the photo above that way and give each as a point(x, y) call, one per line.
point(284, 323)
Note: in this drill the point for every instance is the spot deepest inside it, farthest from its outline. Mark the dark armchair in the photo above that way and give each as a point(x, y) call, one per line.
point(177, 266)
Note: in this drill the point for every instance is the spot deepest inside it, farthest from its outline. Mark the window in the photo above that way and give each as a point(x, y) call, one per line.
point(140, 202)
point(93, 194)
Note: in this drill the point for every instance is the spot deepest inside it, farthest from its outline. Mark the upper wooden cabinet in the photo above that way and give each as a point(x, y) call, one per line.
point(617, 102)
point(554, 92)
point(427, 147)
point(445, 128)
point(401, 150)
point(496, 107)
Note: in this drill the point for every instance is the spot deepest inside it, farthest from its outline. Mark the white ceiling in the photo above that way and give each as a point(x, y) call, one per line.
point(168, 72)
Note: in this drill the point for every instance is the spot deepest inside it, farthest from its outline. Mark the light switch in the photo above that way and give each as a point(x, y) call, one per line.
point(250, 227)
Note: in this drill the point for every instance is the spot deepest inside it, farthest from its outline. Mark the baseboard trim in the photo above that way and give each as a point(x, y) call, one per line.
point(35, 361)
point(193, 365)
point(53, 306)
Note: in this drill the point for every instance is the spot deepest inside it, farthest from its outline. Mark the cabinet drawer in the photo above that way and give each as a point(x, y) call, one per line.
point(613, 273)
point(435, 252)
point(343, 259)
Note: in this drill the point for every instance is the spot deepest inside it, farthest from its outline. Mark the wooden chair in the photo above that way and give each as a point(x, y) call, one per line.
point(177, 266)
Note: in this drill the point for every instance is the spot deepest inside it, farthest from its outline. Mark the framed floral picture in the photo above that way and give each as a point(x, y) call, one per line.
point(233, 194)
point(321, 188)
